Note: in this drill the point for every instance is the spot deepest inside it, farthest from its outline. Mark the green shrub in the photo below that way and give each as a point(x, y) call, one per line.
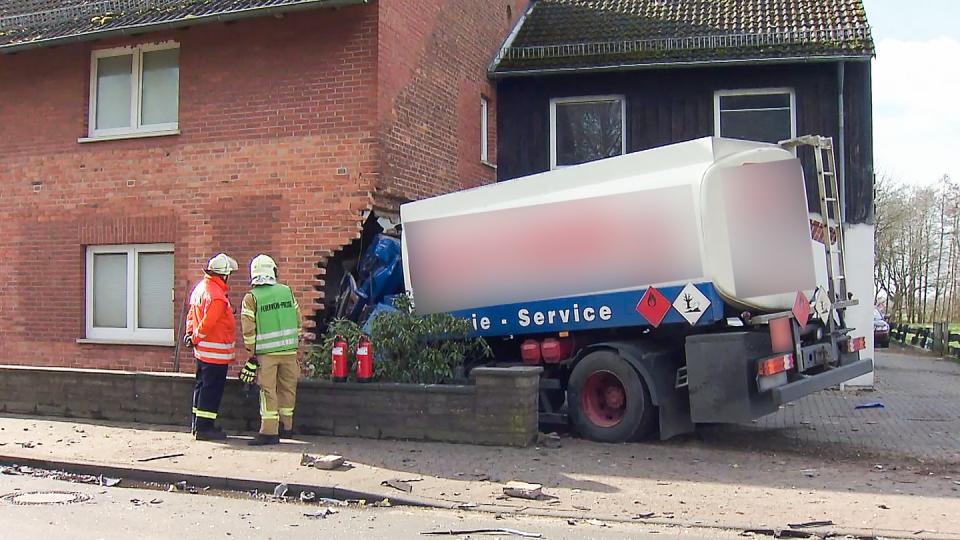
point(408, 348)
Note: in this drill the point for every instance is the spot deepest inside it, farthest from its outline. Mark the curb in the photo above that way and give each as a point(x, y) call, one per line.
point(335, 492)
point(214, 482)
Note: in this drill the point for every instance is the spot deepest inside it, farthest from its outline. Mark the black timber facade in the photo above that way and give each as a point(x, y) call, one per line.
point(675, 104)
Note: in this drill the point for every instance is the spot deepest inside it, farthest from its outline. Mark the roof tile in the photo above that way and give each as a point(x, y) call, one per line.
point(569, 34)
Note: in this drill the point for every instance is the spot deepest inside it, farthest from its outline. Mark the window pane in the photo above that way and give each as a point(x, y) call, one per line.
point(755, 101)
point(110, 290)
point(764, 126)
point(161, 75)
point(114, 91)
point(588, 131)
point(154, 299)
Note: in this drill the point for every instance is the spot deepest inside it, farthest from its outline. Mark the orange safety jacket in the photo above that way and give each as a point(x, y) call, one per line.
point(211, 323)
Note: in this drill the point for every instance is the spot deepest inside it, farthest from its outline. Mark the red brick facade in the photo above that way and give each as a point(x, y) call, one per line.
point(289, 128)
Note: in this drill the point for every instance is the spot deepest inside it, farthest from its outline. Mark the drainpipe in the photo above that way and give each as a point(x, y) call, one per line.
point(841, 176)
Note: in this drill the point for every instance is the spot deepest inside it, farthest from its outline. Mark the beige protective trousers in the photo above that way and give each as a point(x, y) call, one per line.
point(277, 377)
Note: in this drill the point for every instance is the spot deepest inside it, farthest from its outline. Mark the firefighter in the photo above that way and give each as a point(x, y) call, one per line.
point(212, 333)
point(270, 318)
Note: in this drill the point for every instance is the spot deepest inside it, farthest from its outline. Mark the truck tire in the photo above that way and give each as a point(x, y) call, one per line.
point(607, 399)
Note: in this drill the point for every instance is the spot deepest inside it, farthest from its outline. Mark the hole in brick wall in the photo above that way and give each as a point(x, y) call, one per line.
point(509, 13)
point(342, 261)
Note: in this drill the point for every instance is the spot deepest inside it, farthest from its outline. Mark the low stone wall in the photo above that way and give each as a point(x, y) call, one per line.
point(500, 408)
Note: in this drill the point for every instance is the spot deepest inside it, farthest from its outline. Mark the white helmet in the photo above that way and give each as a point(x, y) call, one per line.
point(263, 270)
point(222, 264)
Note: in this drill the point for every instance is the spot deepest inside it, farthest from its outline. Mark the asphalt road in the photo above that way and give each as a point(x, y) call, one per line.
point(124, 513)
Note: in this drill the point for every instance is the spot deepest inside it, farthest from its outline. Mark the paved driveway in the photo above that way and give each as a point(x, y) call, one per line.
point(920, 420)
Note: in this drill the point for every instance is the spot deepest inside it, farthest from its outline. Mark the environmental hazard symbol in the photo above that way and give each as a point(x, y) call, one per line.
point(653, 306)
point(691, 303)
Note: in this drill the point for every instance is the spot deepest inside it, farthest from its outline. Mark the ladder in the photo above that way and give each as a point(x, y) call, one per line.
point(831, 212)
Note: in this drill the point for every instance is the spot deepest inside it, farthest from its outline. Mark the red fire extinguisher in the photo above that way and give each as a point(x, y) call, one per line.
point(339, 360)
point(364, 360)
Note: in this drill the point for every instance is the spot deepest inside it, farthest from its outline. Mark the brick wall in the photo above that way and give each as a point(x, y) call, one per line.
point(278, 153)
point(433, 60)
point(499, 409)
point(288, 127)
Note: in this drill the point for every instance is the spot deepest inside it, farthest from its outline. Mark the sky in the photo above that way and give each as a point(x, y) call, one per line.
point(916, 89)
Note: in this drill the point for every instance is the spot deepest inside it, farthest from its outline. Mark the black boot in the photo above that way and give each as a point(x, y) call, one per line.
point(286, 433)
point(264, 440)
point(210, 434)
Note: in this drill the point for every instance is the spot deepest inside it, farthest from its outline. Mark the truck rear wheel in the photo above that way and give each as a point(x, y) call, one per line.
point(608, 401)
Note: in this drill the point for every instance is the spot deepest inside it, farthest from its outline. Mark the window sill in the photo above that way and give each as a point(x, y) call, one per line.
point(488, 164)
point(129, 135)
point(84, 341)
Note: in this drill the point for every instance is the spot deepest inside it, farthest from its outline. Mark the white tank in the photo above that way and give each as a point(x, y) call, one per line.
point(729, 212)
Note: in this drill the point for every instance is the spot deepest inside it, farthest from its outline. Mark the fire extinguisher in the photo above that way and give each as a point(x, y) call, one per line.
point(339, 360)
point(364, 360)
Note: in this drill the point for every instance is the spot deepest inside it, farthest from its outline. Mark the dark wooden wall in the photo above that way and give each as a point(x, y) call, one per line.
point(672, 105)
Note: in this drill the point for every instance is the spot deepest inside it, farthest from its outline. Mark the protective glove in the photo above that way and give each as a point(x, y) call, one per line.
point(188, 341)
point(249, 372)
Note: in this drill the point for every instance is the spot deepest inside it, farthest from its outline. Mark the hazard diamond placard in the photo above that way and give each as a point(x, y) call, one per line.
point(691, 304)
point(801, 309)
point(653, 306)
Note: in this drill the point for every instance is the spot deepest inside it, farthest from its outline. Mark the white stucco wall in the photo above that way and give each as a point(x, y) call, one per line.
point(858, 240)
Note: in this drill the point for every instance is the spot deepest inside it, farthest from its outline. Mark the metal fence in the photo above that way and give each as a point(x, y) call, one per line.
point(937, 338)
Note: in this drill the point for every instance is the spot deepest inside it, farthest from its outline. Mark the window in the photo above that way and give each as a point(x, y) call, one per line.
point(130, 293)
point(765, 115)
point(134, 91)
point(585, 129)
point(484, 130)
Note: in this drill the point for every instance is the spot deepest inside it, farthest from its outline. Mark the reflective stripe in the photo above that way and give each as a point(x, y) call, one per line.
point(286, 411)
point(248, 312)
point(275, 344)
point(205, 414)
point(270, 415)
point(212, 345)
point(249, 340)
point(251, 365)
point(278, 333)
point(214, 356)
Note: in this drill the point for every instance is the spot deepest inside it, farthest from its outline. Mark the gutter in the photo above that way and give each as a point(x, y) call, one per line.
point(226, 16)
point(842, 165)
point(507, 43)
point(662, 65)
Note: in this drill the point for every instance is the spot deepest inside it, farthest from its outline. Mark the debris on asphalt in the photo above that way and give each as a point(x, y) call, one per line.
point(320, 514)
point(523, 490)
point(645, 515)
point(883, 507)
point(307, 496)
point(597, 522)
point(326, 463)
point(549, 440)
point(280, 490)
point(332, 502)
point(398, 484)
point(810, 473)
point(810, 524)
point(154, 458)
point(513, 532)
point(109, 482)
point(466, 506)
point(870, 405)
point(385, 503)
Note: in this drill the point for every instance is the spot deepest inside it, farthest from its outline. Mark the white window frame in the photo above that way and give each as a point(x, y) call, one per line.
point(585, 99)
point(753, 92)
point(484, 130)
point(136, 94)
point(131, 334)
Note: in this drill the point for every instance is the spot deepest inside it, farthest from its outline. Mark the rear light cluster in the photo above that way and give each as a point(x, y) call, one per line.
point(550, 350)
point(856, 344)
point(775, 365)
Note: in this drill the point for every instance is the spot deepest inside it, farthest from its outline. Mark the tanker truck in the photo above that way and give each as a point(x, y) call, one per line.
point(684, 284)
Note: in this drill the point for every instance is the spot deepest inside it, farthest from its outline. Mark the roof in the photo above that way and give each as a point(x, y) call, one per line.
point(563, 35)
point(37, 23)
